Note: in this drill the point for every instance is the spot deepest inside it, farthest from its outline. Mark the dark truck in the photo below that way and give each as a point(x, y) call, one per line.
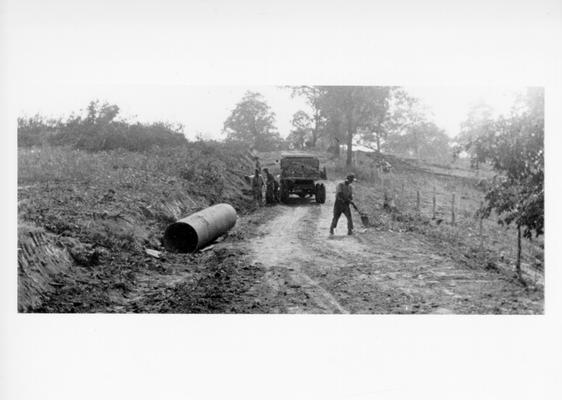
point(299, 173)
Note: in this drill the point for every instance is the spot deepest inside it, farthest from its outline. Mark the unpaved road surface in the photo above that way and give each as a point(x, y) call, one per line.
point(373, 271)
point(281, 259)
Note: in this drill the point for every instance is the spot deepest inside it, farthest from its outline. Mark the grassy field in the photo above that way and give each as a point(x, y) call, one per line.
point(104, 209)
point(409, 180)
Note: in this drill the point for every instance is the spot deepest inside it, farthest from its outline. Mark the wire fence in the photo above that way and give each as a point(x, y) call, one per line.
point(453, 205)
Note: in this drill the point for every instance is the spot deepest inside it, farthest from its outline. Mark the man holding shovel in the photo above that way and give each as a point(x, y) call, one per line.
point(344, 197)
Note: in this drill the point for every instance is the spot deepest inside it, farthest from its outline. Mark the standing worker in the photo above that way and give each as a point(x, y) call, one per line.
point(257, 185)
point(344, 196)
point(270, 187)
point(258, 164)
point(276, 190)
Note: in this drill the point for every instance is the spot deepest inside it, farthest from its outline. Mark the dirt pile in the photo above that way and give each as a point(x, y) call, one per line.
point(221, 283)
point(41, 256)
point(93, 215)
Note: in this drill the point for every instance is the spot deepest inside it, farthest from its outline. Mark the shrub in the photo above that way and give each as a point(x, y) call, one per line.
point(35, 131)
point(98, 130)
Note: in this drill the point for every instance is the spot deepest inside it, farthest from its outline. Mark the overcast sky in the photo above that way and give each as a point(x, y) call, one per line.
point(191, 62)
point(203, 109)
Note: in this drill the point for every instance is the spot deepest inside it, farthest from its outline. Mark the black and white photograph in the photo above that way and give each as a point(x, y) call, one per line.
point(296, 199)
point(349, 200)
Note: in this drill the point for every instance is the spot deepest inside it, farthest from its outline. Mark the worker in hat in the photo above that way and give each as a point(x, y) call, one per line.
point(344, 196)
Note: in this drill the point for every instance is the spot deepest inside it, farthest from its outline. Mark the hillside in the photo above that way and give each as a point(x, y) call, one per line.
point(87, 219)
point(411, 187)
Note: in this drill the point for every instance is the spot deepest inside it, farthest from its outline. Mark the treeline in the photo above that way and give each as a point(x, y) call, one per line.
point(98, 130)
point(382, 118)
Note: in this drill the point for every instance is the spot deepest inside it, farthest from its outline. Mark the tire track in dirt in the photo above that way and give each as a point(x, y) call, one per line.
point(281, 249)
point(373, 271)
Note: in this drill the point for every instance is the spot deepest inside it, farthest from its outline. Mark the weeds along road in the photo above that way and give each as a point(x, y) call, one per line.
point(281, 259)
point(373, 271)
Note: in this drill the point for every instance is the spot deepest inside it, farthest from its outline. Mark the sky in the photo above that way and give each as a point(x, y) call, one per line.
point(449, 105)
point(191, 62)
point(203, 109)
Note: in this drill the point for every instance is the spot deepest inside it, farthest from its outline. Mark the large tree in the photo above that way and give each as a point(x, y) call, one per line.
point(253, 122)
point(423, 139)
point(353, 109)
point(404, 127)
point(474, 129)
point(515, 148)
point(405, 113)
point(399, 112)
point(312, 95)
point(301, 131)
point(390, 120)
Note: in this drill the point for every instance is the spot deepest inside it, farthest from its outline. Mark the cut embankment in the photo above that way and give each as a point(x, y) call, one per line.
point(41, 256)
point(87, 219)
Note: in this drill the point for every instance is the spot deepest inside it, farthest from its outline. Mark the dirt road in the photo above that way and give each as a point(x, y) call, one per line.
point(282, 259)
point(373, 271)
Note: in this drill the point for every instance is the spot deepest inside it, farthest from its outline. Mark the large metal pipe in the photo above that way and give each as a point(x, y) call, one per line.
point(199, 229)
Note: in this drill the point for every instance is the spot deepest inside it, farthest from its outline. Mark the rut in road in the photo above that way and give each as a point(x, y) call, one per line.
point(284, 246)
point(373, 271)
point(296, 243)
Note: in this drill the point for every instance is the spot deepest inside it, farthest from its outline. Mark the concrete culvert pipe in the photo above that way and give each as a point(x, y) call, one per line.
point(199, 229)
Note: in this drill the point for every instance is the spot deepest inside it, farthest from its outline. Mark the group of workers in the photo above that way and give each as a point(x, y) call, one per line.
point(271, 187)
point(344, 196)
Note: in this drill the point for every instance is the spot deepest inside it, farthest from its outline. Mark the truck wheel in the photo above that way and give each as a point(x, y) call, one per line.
point(320, 193)
point(284, 193)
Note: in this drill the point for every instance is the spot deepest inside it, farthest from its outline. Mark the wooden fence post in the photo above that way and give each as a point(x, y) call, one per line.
point(434, 201)
point(453, 210)
point(518, 262)
point(481, 228)
point(385, 196)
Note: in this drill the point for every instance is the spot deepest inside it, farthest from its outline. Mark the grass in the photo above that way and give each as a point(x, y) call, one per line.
point(122, 199)
point(407, 178)
point(106, 208)
point(112, 205)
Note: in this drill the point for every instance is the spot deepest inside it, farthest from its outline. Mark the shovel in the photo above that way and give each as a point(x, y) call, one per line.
point(364, 218)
